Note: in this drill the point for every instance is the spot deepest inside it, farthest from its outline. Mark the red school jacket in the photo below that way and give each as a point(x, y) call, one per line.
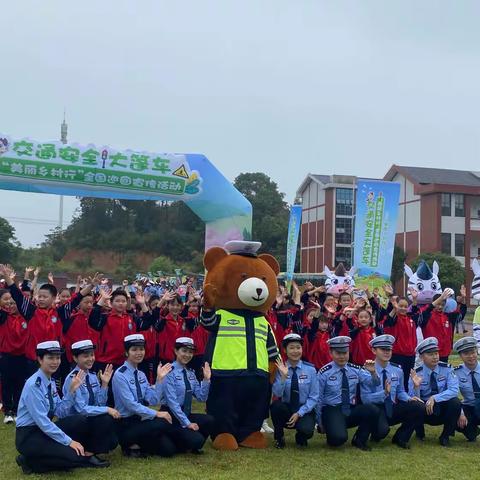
point(13, 333)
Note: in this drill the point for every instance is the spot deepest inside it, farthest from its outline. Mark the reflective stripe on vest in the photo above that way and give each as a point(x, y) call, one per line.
point(231, 343)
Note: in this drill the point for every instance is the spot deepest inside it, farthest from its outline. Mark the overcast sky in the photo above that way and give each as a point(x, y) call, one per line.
point(286, 87)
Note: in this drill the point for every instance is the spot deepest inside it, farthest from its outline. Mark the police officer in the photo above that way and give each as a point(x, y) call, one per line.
point(337, 409)
point(394, 404)
point(45, 445)
point(436, 384)
point(468, 374)
point(91, 399)
point(181, 385)
point(141, 430)
point(296, 387)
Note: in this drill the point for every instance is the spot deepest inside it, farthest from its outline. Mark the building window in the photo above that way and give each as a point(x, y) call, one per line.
point(459, 205)
point(459, 245)
point(446, 205)
point(344, 201)
point(344, 255)
point(343, 230)
point(447, 243)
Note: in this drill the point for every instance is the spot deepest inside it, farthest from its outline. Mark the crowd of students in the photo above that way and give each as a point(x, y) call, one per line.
point(89, 351)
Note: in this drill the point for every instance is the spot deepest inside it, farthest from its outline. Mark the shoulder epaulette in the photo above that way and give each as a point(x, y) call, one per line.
point(458, 367)
point(38, 381)
point(122, 369)
point(395, 365)
point(419, 369)
point(444, 364)
point(325, 368)
point(358, 367)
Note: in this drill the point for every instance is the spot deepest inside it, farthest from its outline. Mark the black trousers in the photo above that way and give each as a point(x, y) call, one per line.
point(470, 431)
point(407, 414)
point(13, 369)
point(44, 454)
point(152, 436)
point(281, 413)
point(189, 440)
point(238, 404)
point(336, 423)
point(406, 362)
point(447, 415)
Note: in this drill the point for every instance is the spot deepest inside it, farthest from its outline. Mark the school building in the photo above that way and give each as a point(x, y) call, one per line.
point(439, 211)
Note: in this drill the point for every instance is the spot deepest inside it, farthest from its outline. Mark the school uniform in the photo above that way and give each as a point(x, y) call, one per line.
point(316, 347)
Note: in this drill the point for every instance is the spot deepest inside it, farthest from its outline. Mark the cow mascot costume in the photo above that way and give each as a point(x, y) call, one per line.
point(239, 288)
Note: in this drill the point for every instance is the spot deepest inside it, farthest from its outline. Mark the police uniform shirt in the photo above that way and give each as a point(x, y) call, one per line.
point(34, 406)
point(446, 380)
point(330, 383)
point(465, 382)
point(307, 385)
point(174, 391)
point(81, 402)
point(125, 393)
point(394, 374)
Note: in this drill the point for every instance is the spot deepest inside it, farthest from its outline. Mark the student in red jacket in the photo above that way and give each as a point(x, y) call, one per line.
point(150, 362)
point(199, 336)
point(434, 322)
point(44, 321)
point(317, 335)
point(402, 324)
point(361, 334)
point(13, 336)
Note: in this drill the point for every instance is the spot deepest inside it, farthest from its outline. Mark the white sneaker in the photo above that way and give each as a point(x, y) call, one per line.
point(8, 419)
point(266, 428)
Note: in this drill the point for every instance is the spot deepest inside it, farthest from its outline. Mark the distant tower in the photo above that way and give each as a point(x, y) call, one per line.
point(63, 139)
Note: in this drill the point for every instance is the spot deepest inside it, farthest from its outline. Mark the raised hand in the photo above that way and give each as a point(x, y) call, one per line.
point(77, 380)
point(37, 271)
point(50, 278)
point(96, 279)
point(207, 372)
point(282, 367)
point(416, 379)
point(463, 291)
point(7, 272)
point(140, 297)
point(387, 288)
point(370, 366)
point(125, 283)
point(106, 375)
point(28, 271)
point(163, 371)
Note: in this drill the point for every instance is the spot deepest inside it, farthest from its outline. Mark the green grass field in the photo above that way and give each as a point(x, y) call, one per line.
point(423, 460)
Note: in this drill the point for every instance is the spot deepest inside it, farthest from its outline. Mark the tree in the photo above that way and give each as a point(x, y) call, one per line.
point(162, 264)
point(9, 247)
point(451, 274)
point(270, 212)
point(399, 257)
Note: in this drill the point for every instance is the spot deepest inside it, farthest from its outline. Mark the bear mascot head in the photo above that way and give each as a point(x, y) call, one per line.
point(237, 278)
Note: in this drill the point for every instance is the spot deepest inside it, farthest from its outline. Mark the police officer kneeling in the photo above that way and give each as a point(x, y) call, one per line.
point(180, 387)
point(436, 384)
point(296, 386)
point(141, 430)
point(468, 374)
point(91, 399)
point(337, 409)
point(45, 445)
point(394, 404)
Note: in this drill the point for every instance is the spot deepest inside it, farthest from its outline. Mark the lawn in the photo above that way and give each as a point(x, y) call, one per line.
point(424, 460)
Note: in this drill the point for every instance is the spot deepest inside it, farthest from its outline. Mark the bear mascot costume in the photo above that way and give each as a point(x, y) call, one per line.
point(239, 289)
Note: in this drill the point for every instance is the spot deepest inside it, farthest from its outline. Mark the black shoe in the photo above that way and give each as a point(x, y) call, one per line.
point(444, 441)
point(280, 443)
point(400, 443)
point(133, 453)
point(22, 463)
point(300, 440)
point(360, 445)
point(198, 452)
point(96, 462)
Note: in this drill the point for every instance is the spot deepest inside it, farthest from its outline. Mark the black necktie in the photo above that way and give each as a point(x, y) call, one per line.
point(137, 386)
point(388, 398)
point(51, 403)
point(433, 384)
point(91, 395)
point(187, 403)
point(345, 393)
point(294, 392)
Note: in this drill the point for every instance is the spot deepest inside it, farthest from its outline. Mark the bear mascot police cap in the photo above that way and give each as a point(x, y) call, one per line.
point(239, 289)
